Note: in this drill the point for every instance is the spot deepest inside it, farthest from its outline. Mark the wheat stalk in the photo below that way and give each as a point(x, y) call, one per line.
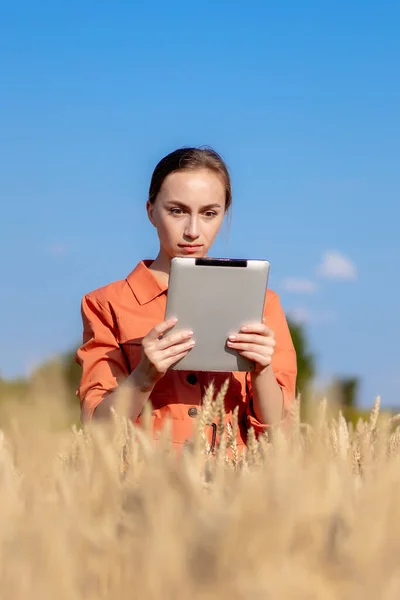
point(105, 511)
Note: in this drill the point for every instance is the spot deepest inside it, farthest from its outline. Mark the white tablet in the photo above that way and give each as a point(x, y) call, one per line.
point(214, 297)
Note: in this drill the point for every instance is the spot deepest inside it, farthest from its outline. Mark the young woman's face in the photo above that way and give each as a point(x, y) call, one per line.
point(188, 212)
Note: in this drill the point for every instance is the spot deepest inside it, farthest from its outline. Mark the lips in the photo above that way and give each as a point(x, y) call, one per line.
point(190, 249)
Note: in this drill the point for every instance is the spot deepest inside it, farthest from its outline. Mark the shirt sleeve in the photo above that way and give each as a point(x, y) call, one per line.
point(284, 364)
point(100, 356)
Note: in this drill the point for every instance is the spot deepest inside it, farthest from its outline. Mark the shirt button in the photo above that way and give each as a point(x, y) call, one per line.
point(192, 412)
point(191, 378)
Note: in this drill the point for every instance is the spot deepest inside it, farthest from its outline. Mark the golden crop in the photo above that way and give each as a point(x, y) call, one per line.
point(104, 513)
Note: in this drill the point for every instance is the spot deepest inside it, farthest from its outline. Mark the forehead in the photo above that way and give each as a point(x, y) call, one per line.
point(194, 183)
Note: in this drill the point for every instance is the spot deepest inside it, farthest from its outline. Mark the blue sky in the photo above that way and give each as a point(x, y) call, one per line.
point(302, 100)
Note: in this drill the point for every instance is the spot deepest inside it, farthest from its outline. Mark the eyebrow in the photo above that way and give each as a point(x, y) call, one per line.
point(182, 205)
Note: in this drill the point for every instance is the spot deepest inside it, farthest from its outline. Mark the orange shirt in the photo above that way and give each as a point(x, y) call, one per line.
point(115, 319)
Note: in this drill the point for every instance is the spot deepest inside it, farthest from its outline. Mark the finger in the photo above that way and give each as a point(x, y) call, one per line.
point(257, 358)
point(160, 329)
point(260, 328)
point(246, 347)
point(178, 348)
point(167, 364)
point(174, 338)
point(160, 355)
point(167, 361)
point(253, 338)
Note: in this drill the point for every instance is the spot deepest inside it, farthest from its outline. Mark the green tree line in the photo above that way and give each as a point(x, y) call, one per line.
point(343, 391)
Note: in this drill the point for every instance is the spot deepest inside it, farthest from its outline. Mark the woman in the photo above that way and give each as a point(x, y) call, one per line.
point(123, 322)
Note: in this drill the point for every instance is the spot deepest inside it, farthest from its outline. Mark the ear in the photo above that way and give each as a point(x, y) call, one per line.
point(150, 210)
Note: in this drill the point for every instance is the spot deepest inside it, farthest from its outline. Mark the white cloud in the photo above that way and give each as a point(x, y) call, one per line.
point(302, 315)
point(324, 316)
point(335, 265)
point(299, 314)
point(299, 285)
point(58, 249)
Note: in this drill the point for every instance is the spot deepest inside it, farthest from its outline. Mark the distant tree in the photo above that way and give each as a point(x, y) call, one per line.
point(64, 368)
point(72, 371)
point(344, 390)
point(305, 361)
point(305, 358)
point(59, 374)
point(14, 389)
point(343, 395)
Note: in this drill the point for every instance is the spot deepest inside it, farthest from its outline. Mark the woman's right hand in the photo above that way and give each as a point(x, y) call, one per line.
point(159, 353)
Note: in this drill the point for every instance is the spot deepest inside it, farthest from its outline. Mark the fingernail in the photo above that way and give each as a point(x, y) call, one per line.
point(232, 337)
point(244, 328)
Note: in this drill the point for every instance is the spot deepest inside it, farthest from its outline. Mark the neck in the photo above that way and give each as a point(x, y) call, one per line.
point(161, 267)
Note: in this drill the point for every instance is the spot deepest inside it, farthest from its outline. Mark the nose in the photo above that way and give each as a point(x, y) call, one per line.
point(192, 228)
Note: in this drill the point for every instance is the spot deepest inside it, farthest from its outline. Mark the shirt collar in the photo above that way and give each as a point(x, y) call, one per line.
point(144, 284)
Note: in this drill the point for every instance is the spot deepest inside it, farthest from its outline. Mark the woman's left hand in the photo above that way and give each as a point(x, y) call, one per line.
point(256, 342)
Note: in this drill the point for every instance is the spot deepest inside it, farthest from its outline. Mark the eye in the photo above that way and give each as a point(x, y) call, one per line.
point(210, 214)
point(176, 211)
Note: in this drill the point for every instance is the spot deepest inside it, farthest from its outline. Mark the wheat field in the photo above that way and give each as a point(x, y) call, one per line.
point(104, 513)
